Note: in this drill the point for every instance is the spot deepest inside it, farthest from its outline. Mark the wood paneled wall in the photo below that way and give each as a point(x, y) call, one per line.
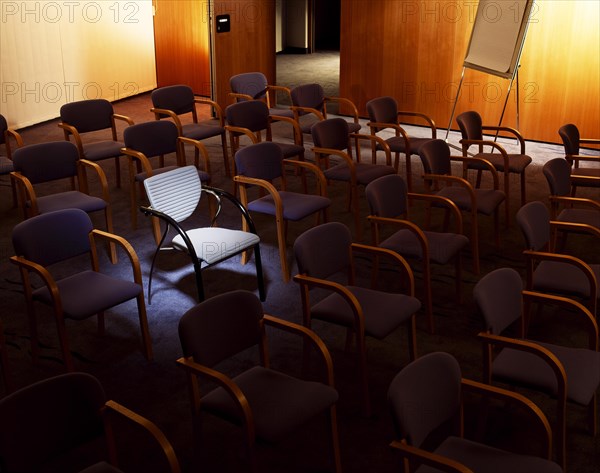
point(248, 47)
point(414, 51)
point(182, 43)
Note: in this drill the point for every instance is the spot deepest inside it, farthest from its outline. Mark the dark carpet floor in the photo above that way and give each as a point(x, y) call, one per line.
point(157, 389)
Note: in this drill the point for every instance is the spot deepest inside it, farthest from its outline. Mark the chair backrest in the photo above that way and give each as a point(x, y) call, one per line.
point(88, 115)
point(323, 250)
point(44, 162)
point(175, 193)
point(470, 125)
point(253, 84)
point(252, 114)
point(331, 133)
point(387, 196)
point(260, 161)
point(48, 419)
point(558, 174)
point(569, 134)
point(52, 237)
point(534, 220)
point(221, 327)
point(425, 394)
point(177, 98)
point(152, 138)
point(383, 110)
point(498, 297)
point(309, 95)
point(435, 156)
point(3, 128)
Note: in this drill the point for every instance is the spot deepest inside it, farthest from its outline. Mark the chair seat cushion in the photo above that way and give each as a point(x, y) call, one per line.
point(582, 367)
point(289, 149)
point(279, 403)
point(214, 244)
point(199, 131)
point(6, 165)
point(365, 173)
point(563, 278)
point(383, 311)
point(442, 246)
point(102, 150)
point(585, 216)
point(397, 144)
point(89, 292)
point(354, 127)
point(516, 162)
point(281, 112)
point(488, 200)
point(296, 206)
point(70, 200)
point(484, 458)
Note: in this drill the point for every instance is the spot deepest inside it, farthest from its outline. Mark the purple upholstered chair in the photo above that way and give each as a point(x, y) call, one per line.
point(437, 162)
point(262, 165)
point(384, 114)
point(266, 403)
point(548, 271)
point(65, 423)
point(174, 101)
point(567, 373)
point(6, 163)
point(42, 243)
point(584, 213)
point(331, 138)
point(388, 200)
point(89, 116)
point(326, 251)
point(580, 176)
point(254, 86)
point(56, 161)
point(472, 129)
point(428, 393)
point(251, 119)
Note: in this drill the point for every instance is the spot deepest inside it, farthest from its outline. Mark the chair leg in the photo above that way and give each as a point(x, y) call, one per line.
point(112, 247)
point(259, 274)
point(285, 273)
point(225, 155)
point(118, 171)
point(408, 172)
point(427, 295)
point(335, 439)
point(146, 341)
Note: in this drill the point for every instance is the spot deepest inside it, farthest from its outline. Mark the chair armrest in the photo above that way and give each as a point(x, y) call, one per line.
point(25, 192)
point(374, 139)
point(123, 243)
point(307, 334)
point(308, 282)
point(575, 200)
point(419, 456)
point(426, 118)
point(193, 368)
point(124, 118)
point(591, 141)
point(219, 193)
point(377, 251)
point(403, 224)
point(339, 153)
point(511, 396)
point(71, 130)
point(241, 130)
point(8, 134)
point(298, 138)
point(215, 106)
point(347, 102)
point(443, 201)
point(467, 159)
point(237, 95)
point(203, 153)
point(270, 188)
point(138, 156)
point(378, 126)
point(571, 305)
point(150, 427)
point(578, 227)
point(297, 109)
point(454, 179)
point(84, 164)
point(321, 181)
point(508, 129)
point(26, 266)
point(164, 113)
point(532, 256)
point(468, 143)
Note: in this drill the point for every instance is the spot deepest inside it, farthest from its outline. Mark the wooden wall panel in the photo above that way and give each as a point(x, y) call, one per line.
point(182, 42)
point(414, 51)
point(248, 47)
